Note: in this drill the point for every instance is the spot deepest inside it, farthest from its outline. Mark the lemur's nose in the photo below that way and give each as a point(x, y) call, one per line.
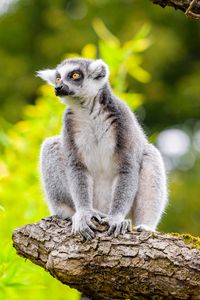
point(58, 88)
point(61, 89)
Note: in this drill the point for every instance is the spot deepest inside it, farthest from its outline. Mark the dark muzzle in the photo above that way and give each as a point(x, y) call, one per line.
point(62, 90)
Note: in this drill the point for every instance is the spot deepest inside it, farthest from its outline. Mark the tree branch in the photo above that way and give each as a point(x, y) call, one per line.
point(190, 7)
point(136, 266)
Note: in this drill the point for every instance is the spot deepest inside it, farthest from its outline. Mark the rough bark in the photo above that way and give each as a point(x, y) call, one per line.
point(142, 265)
point(190, 7)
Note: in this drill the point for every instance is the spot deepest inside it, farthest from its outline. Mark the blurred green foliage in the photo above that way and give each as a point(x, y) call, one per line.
point(35, 34)
point(38, 34)
point(21, 200)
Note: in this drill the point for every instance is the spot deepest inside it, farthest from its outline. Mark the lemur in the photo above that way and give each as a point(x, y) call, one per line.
point(101, 165)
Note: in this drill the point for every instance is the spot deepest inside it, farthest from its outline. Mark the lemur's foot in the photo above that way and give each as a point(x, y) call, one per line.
point(117, 225)
point(143, 227)
point(81, 222)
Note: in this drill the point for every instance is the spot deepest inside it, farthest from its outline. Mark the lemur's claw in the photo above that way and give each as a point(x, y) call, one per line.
point(82, 223)
point(69, 220)
point(117, 226)
point(99, 216)
point(88, 234)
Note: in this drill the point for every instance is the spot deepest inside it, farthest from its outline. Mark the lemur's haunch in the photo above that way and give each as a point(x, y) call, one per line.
point(101, 165)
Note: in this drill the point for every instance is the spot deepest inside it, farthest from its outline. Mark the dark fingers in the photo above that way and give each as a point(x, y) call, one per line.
point(91, 224)
point(111, 230)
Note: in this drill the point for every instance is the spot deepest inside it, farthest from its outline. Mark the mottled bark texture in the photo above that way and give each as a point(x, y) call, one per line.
point(142, 265)
point(190, 7)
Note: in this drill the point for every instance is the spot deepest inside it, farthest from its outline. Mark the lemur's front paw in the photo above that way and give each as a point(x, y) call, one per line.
point(117, 225)
point(143, 227)
point(81, 222)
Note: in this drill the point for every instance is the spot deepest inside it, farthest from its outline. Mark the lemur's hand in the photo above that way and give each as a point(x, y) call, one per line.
point(117, 225)
point(81, 222)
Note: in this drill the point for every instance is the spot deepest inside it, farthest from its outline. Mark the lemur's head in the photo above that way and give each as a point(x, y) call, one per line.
point(77, 78)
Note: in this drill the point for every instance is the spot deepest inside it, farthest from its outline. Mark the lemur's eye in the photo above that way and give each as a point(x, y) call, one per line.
point(57, 80)
point(76, 75)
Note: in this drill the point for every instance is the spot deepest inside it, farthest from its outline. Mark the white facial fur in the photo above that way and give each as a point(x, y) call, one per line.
point(48, 75)
point(95, 77)
point(96, 66)
point(91, 86)
point(63, 70)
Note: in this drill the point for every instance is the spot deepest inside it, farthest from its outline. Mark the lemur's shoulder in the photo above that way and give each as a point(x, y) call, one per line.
point(128, 117)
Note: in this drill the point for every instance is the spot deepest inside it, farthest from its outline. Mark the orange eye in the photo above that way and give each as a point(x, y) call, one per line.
point(57, 80)
point(76, 75)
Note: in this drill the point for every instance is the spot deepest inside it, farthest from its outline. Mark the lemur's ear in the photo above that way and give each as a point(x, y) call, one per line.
point(98, 69)
point(48, 75)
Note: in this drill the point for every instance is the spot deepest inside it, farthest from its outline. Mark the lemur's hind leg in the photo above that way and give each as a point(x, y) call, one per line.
point(151, 197)
point(53, 171)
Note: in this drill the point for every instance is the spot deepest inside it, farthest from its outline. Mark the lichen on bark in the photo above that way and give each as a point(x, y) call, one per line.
point(188, 238)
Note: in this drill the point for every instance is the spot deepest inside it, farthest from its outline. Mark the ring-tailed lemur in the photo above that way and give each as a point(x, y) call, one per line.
point(101, 165)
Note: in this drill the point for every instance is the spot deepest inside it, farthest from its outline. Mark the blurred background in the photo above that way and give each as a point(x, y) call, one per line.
point(154, 57)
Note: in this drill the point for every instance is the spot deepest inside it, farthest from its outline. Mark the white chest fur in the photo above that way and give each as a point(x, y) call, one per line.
point(95, 140)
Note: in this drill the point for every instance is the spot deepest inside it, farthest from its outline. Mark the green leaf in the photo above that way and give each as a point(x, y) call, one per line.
point(104, 34)
point(134, 100)
point(140, 74)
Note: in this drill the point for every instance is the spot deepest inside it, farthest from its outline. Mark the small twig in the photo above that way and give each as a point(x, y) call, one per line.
point(193, 15)
point(190, 7)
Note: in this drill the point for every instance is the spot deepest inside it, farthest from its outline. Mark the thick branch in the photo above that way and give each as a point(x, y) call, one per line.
point(190, 7)
point(136, 266)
